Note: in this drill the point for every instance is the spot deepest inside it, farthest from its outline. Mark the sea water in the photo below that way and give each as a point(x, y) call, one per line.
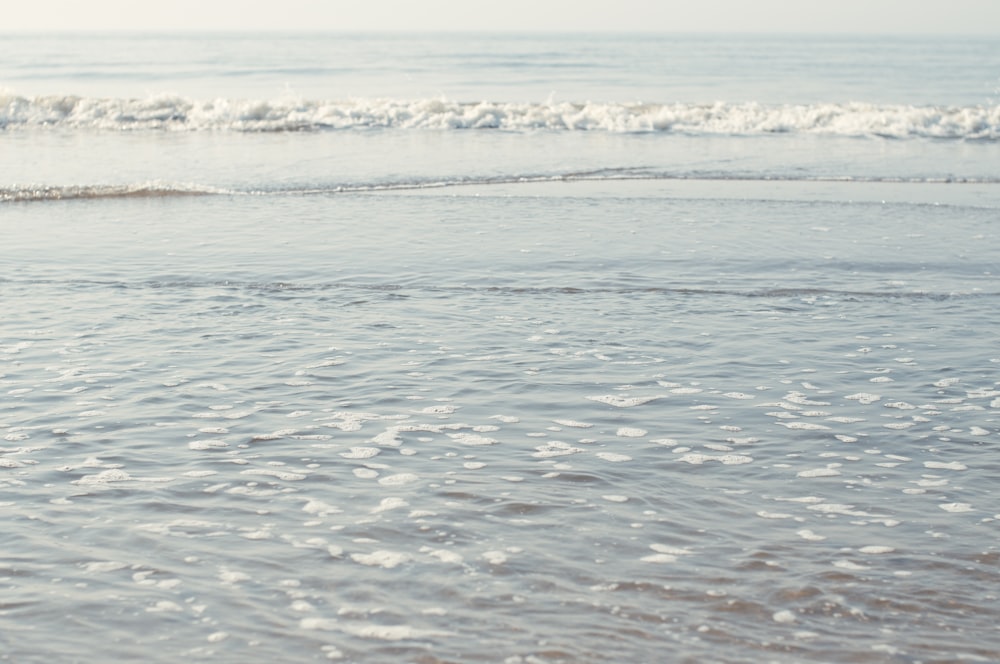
point(499, 348)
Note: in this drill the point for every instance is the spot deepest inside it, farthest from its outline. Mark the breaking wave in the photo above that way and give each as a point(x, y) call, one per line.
point(172, 113)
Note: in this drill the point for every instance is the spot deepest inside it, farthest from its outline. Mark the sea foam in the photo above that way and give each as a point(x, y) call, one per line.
point(173, 113)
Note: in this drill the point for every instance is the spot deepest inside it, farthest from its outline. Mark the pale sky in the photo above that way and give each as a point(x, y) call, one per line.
point(980, 17)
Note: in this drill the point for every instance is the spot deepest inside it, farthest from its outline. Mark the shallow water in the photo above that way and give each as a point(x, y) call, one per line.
point(520, 395)
point(582, 424)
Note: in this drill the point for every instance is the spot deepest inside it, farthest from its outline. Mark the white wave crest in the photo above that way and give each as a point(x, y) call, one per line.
point(285, 114)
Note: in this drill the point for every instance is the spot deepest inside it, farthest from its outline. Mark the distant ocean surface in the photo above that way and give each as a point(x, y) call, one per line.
point(499, 348)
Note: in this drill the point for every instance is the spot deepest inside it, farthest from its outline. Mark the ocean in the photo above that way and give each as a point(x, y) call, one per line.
point(523, 348)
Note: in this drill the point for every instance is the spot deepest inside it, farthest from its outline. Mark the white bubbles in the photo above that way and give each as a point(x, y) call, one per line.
point(802, 400)
point(105, 477)
point(445, 556)
point(946, 382)
point(623, 402)
point(804, 426)
point(695, 458)
point(876, 549)
point(391, 503)
point(837, 508)
point(320, 507)
point(388, 438)
point(494, 557)
point(573, 424)
point(665, 553)
point(327, 362)
point(443, 409)
point(210, 444)
point(555, 448)
point(613, 457)
point(315, 623)
point(850, 565)
point(285, 475)
point(165, 606)
point(104, 566)
point(381, 558)
point(818, 472)
point(942, 465)
point(232, 577)
point(472, 439)
point(392, 632)
point(398, 479)
point(764, 514)
point(809, 535)
point(659, 558)
point(673, 550)
point(361, 453)
point(364, 630)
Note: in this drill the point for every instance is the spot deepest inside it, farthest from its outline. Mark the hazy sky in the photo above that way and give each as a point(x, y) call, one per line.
point(863, 16)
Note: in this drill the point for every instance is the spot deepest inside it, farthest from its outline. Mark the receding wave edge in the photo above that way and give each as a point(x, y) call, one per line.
point(156, 189)
point(806, 294)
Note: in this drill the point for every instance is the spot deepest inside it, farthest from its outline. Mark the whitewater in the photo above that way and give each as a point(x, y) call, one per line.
point(179, 114)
